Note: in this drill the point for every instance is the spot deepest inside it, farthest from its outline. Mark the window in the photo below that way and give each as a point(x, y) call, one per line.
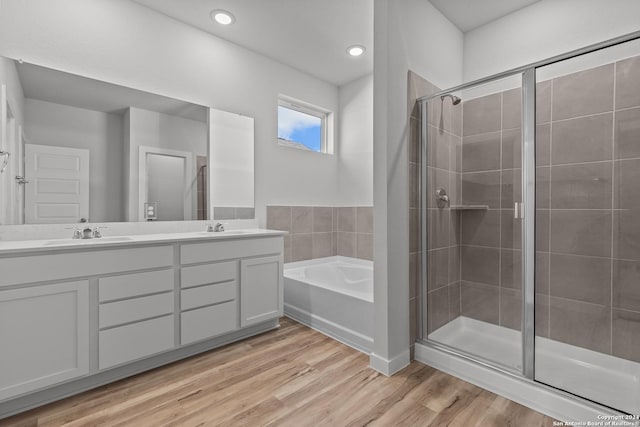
point(303, 126)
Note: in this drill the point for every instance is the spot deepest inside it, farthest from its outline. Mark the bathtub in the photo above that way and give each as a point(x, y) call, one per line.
point(333, 295)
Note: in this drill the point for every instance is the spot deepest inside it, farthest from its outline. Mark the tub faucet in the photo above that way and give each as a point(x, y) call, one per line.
point(215, 229)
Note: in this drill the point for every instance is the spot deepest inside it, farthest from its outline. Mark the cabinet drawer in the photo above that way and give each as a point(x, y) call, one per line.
point(206, 295)
point(92, 262)
point(132, 285)
point(209, 273)
point(228, 249)
point(119, 312)
point(130, 342)
point(207, 322)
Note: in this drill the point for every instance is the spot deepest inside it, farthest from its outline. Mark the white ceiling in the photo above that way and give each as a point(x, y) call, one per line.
point(310, 35)
point(470, 14)
point(313, 35)
point(63, 88)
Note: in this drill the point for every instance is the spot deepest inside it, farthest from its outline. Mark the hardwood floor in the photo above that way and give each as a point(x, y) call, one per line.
point(290, 377)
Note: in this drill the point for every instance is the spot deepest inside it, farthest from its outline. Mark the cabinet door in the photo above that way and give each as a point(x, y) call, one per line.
point(44, 336)
point(261, 282)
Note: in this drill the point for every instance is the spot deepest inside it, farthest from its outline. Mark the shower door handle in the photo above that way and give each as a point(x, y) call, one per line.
point(518, 210)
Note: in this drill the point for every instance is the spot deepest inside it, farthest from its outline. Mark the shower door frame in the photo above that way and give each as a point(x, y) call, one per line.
point(528, 210)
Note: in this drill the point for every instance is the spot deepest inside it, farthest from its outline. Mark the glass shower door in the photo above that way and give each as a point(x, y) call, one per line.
point(588, 226)
point(473, 170)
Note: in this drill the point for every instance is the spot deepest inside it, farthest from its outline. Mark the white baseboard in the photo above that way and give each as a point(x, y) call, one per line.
point(531, 394)
point(389, 367)
point(340, 333)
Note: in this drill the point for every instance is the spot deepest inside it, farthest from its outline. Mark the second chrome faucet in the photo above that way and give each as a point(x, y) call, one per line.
point(215, 228)
point(87, 233)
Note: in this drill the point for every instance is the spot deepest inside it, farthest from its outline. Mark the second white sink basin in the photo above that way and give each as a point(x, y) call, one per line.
point(227, 233)
point(84, 241)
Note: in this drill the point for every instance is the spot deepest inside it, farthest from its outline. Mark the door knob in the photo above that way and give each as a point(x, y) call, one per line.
point(21, 180)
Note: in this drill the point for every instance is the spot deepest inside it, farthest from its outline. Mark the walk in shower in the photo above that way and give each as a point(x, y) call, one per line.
point(530, 222)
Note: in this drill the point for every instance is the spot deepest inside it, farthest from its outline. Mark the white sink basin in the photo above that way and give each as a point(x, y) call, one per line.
point(227, 233)
point(84, 241)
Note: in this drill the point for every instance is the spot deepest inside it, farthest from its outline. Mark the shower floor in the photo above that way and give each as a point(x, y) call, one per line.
point(596, 376)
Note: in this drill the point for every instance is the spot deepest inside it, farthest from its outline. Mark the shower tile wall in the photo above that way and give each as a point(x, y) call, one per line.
point(490, 243)
point(587, 217)
point(588, 206)
point(444, 127)
point(322, 231)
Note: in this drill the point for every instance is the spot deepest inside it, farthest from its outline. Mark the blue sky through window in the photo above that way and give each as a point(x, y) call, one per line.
point(300, 127)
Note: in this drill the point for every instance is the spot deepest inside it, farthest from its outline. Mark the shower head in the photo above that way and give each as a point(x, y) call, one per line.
point(454, 99)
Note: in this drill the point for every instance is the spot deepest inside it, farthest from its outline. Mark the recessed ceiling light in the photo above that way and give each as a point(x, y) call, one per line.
point(223, 17)
point(355, 50)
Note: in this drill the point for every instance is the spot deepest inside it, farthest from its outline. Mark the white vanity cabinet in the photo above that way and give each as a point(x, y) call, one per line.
point(46, 306)
point(234, 284)
point(80, 318)
point(44, 336)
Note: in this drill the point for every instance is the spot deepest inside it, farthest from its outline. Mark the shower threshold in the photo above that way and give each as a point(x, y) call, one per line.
point(600, 377)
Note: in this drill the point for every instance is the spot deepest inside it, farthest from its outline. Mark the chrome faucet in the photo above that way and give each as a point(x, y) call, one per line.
point(76, 232)
point(87, 233)
point(215, 229)
point(96, 232)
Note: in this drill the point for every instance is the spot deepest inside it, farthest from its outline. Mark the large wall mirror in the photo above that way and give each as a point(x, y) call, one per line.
point(77, 149)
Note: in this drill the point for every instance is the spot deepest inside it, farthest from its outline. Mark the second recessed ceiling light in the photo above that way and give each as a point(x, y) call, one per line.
point(355, 50)
point(223, 17)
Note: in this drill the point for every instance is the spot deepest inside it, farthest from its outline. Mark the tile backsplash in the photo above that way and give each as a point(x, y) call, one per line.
point(323, 231)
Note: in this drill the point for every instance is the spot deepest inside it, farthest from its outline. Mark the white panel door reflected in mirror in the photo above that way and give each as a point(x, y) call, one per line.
point(58, 190)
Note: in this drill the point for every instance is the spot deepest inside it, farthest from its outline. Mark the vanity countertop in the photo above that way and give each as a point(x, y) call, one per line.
point(21, 246)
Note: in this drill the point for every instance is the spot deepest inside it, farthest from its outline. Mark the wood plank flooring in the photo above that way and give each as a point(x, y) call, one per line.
point(293, 376)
